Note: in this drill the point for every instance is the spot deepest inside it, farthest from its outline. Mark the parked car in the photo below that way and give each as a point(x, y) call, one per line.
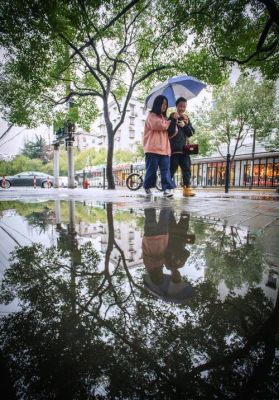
point(26, 178)
point(63, 181)
point(97, 182)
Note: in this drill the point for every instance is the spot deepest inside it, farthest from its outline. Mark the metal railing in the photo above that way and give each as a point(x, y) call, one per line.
point(203, 174)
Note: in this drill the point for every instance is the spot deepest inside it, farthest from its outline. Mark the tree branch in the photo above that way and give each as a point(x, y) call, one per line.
point(6, 131)
point(128, 97)
point(264, 35)
point(64, 100)
point(152, 71)
point(219, 151)
point(272, 10)
point(116, 102)
point(86, 20)
point(133, 86)
point(91, 69)
point(118, 16)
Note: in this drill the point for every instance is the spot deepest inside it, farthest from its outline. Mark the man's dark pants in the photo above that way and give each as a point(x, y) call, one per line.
point(184, 162)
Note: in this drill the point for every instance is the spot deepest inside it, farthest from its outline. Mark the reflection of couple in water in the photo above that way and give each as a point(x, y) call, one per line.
point(163, 245)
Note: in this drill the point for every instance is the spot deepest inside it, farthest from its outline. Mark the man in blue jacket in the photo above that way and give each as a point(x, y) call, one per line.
point(178, 142)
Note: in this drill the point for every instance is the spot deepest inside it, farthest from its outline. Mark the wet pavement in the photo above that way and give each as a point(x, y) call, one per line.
point(110, 295)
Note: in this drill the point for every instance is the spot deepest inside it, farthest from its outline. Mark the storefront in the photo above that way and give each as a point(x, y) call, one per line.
point(262, 172)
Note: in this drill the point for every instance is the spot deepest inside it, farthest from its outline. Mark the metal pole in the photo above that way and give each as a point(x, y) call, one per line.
point(57, 214)
point(72, 215)
point(104, 178)
point(83, 177)
point(227, 176)
point(71, 173)
point(56, 165)
point(70, 142)
point(253, 160)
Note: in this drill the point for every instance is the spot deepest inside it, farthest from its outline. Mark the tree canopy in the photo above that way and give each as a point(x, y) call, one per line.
point(238, 31)
point(60, 51)
point(36, 148)
point(56, 51)
point(237, 112)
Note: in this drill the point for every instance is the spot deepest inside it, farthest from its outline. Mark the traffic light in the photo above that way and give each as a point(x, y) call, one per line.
point(60, 133)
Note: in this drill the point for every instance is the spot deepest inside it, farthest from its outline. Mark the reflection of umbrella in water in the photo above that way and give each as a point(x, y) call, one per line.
point(167, 290)
point(173, 88)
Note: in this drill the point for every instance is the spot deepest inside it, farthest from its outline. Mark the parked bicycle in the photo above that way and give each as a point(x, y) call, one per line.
point(135, 181)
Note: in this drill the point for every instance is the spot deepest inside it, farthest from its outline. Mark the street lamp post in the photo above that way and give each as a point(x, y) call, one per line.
point(70, 149)
point(56, 164)
point(252, 160)
point(227, 175)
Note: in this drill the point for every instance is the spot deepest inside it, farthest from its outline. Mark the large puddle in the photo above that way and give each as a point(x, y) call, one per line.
point(104, 302)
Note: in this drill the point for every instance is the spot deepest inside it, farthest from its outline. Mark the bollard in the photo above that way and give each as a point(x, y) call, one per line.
point(85, 183)
point(48, 183)
point(35, 182)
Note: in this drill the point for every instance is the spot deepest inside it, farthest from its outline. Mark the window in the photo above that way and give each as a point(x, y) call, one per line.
point(132, 108)
point(132, 120)
point(269, 170)
point(276, 171)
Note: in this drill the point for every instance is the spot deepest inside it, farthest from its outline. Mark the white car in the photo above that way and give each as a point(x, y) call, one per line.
point(97, 182)
point(63, 181)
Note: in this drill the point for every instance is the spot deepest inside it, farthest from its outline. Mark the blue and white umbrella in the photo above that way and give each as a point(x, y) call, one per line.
point(173, 88)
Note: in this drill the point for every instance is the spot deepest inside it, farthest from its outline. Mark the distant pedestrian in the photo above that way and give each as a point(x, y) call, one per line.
point(178, 142)
point(156, 145)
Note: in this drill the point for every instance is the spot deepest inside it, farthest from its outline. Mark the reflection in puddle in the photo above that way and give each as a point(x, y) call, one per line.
point(104, 302)
point(163, 245)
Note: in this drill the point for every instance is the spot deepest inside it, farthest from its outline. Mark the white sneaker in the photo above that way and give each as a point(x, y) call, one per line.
point(148, 192)
point(168, 193)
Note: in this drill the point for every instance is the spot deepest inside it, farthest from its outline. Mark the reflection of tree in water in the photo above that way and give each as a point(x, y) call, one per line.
point(41, 219)
point(85, 326)
point(231, 255)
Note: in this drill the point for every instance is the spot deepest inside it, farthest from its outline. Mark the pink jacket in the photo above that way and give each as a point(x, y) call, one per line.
point(155, 139)
point(154, 250)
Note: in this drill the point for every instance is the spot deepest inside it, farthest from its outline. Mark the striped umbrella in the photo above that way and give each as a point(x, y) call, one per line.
point(173, 88)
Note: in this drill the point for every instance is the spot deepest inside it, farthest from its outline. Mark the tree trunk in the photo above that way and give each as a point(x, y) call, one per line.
point(110, 177)
point(110, 134)
point(73, 248)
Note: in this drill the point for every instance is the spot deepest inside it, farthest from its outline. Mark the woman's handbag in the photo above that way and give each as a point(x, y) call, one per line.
point(190, 149)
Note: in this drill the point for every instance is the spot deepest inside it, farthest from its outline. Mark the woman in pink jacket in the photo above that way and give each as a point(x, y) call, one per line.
point(157, 131)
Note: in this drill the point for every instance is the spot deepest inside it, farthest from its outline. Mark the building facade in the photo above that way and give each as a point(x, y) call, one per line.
point(262, 171)
point(130, 132)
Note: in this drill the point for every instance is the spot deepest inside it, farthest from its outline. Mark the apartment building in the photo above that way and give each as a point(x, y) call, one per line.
point(130, 132)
